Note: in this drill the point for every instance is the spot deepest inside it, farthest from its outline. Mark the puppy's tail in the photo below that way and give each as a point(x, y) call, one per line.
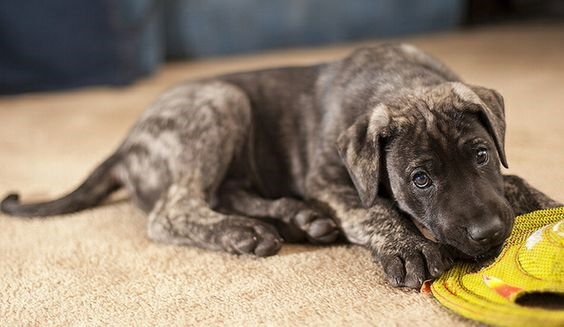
point(101, 183)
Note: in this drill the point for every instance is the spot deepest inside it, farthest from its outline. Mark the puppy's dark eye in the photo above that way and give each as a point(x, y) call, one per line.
point(422, 180)
point(482, 156)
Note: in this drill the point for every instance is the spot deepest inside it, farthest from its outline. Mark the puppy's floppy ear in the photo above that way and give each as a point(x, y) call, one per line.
point(491, 110)
point(359, 148)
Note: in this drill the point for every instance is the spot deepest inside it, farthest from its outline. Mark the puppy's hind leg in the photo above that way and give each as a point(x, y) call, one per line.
point(211, 126)
point(183, 217)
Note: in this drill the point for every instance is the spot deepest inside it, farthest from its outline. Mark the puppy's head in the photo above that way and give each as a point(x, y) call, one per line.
point(438, 153)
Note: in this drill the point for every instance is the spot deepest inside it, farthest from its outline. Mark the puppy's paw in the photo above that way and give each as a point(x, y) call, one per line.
point(408, 263)
point(318, 229)
point(251, 237)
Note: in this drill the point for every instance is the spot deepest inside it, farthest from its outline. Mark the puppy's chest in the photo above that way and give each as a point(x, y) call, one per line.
point(283, 116)
point(272, 162)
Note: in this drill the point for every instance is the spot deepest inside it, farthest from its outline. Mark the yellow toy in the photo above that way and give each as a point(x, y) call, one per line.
point(532, 261)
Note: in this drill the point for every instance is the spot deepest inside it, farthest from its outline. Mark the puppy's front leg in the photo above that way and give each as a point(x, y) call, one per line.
point(296, 220)
point(524, 198)
point(406, 256)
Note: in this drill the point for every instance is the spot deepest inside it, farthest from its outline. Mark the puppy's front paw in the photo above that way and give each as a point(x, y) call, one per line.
point(318, 229)
point(408, 263)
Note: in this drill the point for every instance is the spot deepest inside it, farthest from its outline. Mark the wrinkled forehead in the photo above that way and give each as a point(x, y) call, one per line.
point(441, 116)
point(421, 128)
point(452, 102)
point(435, 115)
point(430, 103)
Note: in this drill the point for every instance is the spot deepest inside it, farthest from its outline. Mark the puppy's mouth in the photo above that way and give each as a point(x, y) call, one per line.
point(469, 249)
point(462, 247)
point(476, 255)
point(489, 254)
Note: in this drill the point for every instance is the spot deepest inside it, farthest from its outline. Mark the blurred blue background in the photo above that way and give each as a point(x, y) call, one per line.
point(209, 27)
point(56, 44)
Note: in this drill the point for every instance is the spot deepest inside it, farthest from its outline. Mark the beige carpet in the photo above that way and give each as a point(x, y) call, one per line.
point(98, 268)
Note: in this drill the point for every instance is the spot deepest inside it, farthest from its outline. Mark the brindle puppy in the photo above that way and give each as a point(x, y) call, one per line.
point(366, 146)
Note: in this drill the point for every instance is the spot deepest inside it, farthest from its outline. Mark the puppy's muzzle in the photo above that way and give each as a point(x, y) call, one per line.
point(487, 235)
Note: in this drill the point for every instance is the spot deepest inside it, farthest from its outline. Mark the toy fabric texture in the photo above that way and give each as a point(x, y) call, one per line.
point(531, 262)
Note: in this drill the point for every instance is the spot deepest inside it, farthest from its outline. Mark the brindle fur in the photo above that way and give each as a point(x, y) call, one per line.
point(240, 162)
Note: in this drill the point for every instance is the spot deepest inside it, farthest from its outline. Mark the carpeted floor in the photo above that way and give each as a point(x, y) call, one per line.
point(97, 267)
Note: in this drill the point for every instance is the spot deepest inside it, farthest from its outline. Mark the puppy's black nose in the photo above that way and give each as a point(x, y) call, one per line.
point(487, 233)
